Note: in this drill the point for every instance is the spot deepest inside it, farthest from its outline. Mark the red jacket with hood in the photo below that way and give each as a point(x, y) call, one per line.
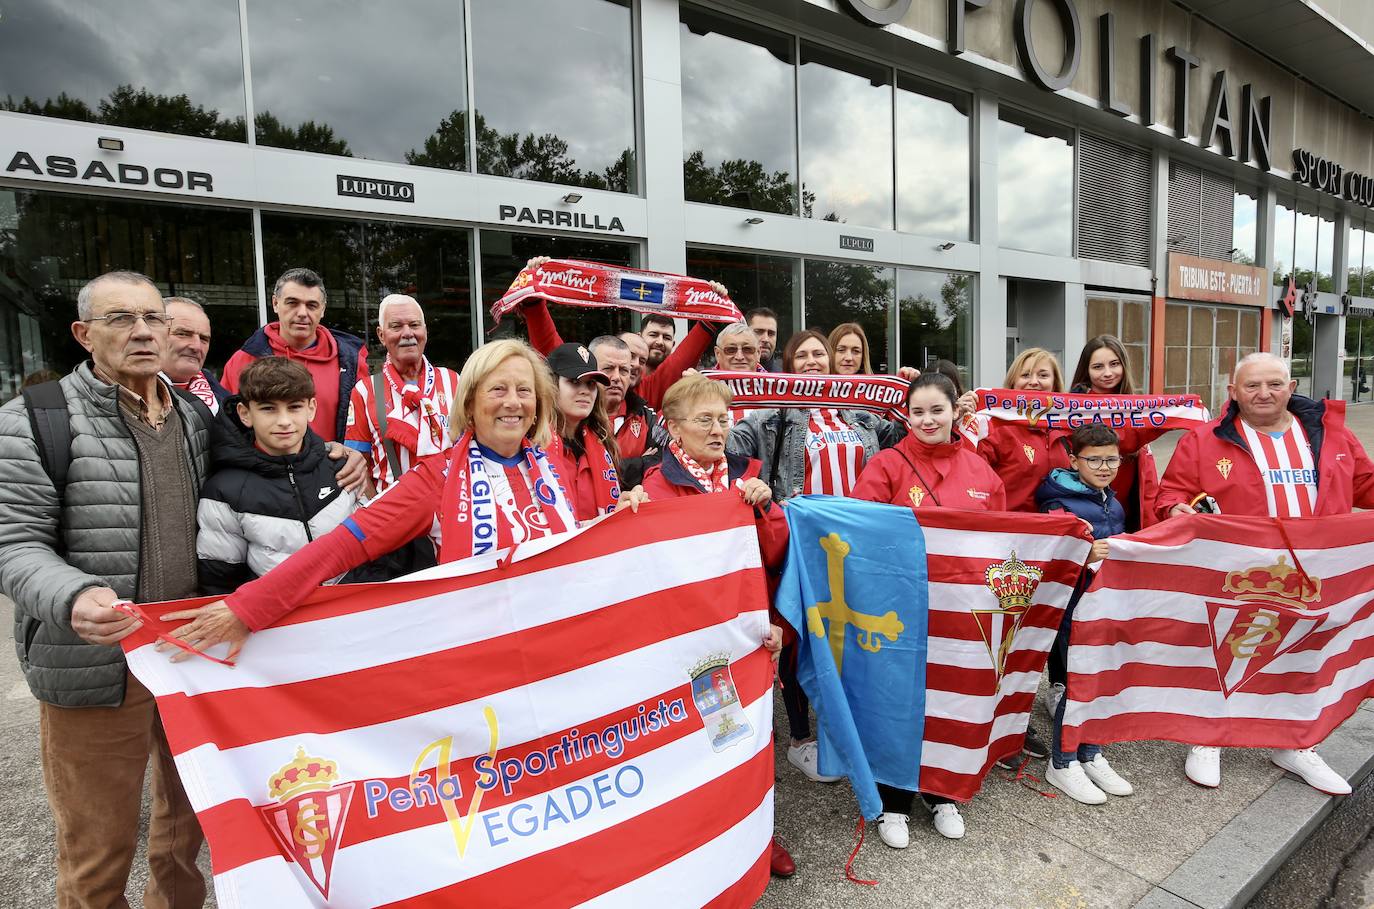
point(916, 474)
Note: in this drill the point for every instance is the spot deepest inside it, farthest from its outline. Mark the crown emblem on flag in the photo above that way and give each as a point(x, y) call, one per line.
point(308, 817)
point(303, 774)
point(1013, 582)
point(1279, 582)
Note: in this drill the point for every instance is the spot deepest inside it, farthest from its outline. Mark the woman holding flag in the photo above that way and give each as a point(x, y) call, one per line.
point(1020, 451)
point(932, 466)
point(808, 450)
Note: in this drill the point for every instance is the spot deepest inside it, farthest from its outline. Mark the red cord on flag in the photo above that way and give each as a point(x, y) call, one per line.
point(1021, 776)
point(132, 609)
point(1307, 583)
point(849, 865)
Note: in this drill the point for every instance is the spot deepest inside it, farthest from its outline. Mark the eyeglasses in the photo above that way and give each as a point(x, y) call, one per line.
point(185, 334)
point(705, 423)
point(736, 351)
point(124, 321)
point(1097, 463)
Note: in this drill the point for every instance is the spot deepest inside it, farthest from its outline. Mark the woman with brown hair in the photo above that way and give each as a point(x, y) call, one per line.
point(583, 447)
point(849, 347)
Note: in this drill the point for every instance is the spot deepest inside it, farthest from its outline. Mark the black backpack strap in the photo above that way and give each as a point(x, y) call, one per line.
point(379, 402)
point(52, 430)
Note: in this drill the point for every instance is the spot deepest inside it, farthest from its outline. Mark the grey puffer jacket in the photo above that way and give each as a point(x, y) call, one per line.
point(756, 436)
point(51, 551)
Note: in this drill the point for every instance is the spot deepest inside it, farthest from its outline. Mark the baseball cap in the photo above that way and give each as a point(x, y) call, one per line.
point(574, 361)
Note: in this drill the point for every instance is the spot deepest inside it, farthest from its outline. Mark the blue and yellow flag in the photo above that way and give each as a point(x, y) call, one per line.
point(855, 590)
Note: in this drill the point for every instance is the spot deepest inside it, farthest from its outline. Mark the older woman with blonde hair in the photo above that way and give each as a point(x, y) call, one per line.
point(1020, 452)
point(493, 489)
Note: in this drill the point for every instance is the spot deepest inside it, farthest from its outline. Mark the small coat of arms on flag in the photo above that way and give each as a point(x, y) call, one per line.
point(308, 819)
point(713, 691)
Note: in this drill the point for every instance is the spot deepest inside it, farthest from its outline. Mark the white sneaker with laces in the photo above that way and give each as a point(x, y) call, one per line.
point(1204, 766)
point(1074, 783)
point(893, 830)
point(806, 758)
point(1052, 699)
point(1105, 778)
point(1314, 771)
point(948, 822)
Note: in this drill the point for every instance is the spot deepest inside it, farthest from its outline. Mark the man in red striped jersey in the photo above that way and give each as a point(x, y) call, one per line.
point(1272, 453)
point(400, 414)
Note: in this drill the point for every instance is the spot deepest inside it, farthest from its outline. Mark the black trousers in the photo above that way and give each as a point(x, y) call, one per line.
point(793, 698)
point(900, 801)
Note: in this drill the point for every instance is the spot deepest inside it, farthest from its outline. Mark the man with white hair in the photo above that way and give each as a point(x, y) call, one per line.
point(1271, 453)
point(400, 414)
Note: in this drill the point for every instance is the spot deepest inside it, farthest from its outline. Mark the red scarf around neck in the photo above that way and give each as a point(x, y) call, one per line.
point(715, 478)
point(604, 477)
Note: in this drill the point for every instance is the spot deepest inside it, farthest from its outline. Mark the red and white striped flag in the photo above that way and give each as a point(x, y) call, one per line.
point(590, 723)
point(1227, 631)
point(998, 589)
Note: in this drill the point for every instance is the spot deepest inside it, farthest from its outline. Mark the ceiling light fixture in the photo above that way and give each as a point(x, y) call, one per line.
point(109, 144)
point(572, 198)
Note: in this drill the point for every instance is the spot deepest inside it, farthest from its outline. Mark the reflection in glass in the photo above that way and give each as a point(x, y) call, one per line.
point(1244, 214)
point(504, 254)
point(934, 319)
point(1305, 247)
point(51, 244)
point(933, 185)
point(1359, 360)
point(846, 139)
point(144, 64)
point(1034, 185)
point(554, 88)
point(752, 280)
point(1326, 253)
point(738, 113)
point(1354, 260)
point(1285, 223)
point(842, 292)
point(1302, 355)
point(328, 100)
point(363, 261)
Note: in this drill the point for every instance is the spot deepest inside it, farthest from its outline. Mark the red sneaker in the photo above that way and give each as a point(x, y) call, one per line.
point(782, 863)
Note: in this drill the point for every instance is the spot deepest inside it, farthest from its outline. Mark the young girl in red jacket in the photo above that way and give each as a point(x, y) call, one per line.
point(932, 467)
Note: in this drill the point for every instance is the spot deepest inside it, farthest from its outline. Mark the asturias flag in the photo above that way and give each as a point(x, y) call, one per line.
point(855, 590)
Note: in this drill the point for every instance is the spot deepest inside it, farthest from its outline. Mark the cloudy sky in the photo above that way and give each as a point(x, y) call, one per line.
point(1034, 191)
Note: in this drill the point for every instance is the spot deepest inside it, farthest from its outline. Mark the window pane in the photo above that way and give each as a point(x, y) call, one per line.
point(554, 87)
point(1302, 355)
point(1305, 248)
point(169, 67)
point(363, 261)
point(1034, 185)
point(753, 281)
point(739, 114)
point(325, 101)
point(1285, 223)
point(934, 319)
point(839, 292)
point(504, 254)
point(1245, 212)
point(1354, 259)
point(846, 139)
point(932, 159)
point(51, 244)
point(1326, 253)
point(1102, 316)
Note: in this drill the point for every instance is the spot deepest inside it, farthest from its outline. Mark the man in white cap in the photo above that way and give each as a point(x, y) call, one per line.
point(400, 414)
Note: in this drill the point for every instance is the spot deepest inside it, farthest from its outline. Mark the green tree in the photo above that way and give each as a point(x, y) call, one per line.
point(739, 183)
point(308, 136)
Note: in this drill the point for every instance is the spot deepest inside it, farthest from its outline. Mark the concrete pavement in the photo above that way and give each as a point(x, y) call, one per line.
point(1170, 846)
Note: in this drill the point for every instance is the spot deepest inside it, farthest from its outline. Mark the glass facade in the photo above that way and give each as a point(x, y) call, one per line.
point(528, 61)
point(845, 138)
point(1359, 359)
point(739, 113)
point(362, 261)
point(1326, 253)
point(753, 281)
point(1285, 224)
point(934, 320)
point(1202, 345)
point(52, 244)
point(78, 61)
point(324, 101)
point(1034, 184)
point(933, 159)
point(1360, 261)
point(842, 292)
point(1244, 215)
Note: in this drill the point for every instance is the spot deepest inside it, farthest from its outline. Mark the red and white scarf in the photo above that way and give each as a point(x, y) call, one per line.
point(488, 506)
point(883, 395)
point(1057, 411)
point(415, 422)
point(716, 478)
point(573, 282)
point(200, 387)
point(604, 478)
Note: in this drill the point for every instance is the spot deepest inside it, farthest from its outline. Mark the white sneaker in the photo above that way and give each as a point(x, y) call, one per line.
point(1204, 766)
point(1052, 699)
point(1105, 778)
point(948, 822)
point(1074, 783)
point(1309, 765)
point(806, 758)
point(893, 830)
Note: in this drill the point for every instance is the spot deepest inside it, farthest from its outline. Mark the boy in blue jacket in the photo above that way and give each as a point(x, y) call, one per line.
point(1085, 491)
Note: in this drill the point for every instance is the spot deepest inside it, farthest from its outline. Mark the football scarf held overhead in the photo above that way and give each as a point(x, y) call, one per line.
point(513, 736)
point(484, 513)
point(1055, 411)
point(882, 395)
point(572, 282)
point(1223, 630)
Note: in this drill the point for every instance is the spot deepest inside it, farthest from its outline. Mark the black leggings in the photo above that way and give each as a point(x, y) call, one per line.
point(793, 698)
point(900, 800)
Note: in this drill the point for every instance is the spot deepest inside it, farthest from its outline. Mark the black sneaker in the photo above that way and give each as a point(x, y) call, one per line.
point(1033, 747)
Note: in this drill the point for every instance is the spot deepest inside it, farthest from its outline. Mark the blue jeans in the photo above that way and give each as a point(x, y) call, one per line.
point(1085, 752)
